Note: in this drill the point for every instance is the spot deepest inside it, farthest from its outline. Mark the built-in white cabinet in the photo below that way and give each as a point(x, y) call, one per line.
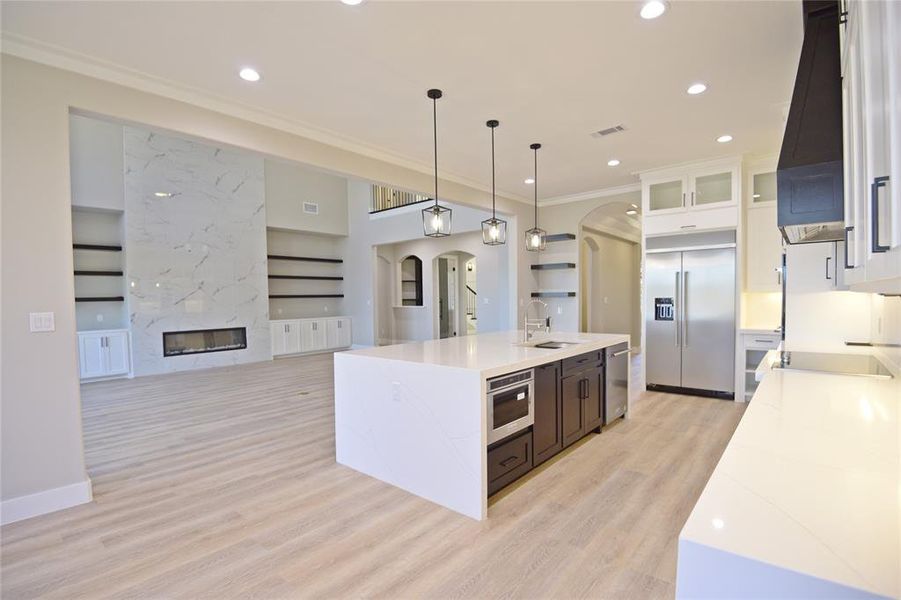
point(296, 336)
point(754, 346)
point(701, 197)
point(871, 85)
point(103, 353)
point(763, 250)
point(814, 267)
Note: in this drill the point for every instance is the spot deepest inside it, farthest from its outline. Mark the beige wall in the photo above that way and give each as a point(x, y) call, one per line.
point(41, 443)
point(289, 185)
point(611, 281)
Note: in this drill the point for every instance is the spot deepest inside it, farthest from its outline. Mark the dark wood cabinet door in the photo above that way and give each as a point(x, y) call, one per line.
point(594, 398)
point(547, 430)
point(572, 414)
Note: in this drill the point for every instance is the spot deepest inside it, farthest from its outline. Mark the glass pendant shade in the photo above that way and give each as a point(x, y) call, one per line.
point(536, 239)
point(436, 221)
point(494, 232)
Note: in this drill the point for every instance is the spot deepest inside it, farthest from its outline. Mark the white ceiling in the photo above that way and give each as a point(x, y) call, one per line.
point(551, 72)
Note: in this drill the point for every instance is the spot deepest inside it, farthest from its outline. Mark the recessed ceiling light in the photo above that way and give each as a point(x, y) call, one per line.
point(757, 195)
point(248, 74)
point(352, 2)
point(631, 211)
point(724, 138)
point(163, 194)
point(529, 181)
point(612, 162)
point(696, 88)
point(652, 9)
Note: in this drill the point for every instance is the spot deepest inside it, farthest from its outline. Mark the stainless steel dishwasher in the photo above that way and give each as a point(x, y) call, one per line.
point(616, 382)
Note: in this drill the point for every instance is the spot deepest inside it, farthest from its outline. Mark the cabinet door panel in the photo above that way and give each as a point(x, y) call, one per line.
point(666, 195)
point(345, 335)
point(92, 355)
point(331, 334)
point(571, 413)
point(307, 343)
point(277, 337)
point(712, 189)
point(117, 353)
point(292, 337)
point(320, 341)
point(811, 267)
point(594, 399)
point(764, 250)
point(547, 429)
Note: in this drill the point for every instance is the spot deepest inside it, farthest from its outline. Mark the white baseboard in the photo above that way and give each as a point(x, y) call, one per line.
point(360, 346)
point(48, 501)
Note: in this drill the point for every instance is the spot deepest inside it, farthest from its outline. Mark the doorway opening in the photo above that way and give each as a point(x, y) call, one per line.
point(456, 298)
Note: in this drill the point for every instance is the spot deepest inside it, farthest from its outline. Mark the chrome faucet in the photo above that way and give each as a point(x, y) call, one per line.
point(536, 323)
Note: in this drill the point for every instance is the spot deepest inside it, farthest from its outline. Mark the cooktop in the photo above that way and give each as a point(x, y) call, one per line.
point(840, 364)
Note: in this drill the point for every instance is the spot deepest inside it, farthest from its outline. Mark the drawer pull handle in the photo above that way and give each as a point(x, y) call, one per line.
point(764, 341)
point(621, 352)
point(508, 461)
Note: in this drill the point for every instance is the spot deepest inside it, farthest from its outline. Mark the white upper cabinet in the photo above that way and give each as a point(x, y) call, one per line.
point(871, 97)
point(698, 197)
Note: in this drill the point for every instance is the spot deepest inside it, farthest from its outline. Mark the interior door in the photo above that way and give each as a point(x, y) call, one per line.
point(708, 319)
point(664, 280)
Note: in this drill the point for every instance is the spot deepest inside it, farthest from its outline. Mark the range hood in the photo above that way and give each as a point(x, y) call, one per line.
point(810, 194)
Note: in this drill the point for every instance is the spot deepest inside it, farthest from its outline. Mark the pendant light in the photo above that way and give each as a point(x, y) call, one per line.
point(436, 220)
point(494, 230)
point(536, 239)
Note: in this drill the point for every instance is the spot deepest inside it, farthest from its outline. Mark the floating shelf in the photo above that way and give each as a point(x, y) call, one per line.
point(553, 266)
point(553, 294)
point(101, 299)
point(560, 237)
point(102, 247)
point(100, 273)
point(304, 258)
point(306, 277)
point(271, 296)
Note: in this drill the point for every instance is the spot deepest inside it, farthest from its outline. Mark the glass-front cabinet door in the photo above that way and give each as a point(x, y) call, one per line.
point(763, 187)
point(713, 188)
point(666, 195)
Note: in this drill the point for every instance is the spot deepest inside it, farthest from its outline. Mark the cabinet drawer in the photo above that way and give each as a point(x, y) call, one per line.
point(581, 362)
point(509, 460)
point(762, 341)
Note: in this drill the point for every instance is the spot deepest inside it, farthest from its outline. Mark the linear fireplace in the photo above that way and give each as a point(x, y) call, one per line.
point(198, 341)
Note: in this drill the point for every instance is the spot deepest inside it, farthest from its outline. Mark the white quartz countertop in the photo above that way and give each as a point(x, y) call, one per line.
point(493, 353)
point(809, 482)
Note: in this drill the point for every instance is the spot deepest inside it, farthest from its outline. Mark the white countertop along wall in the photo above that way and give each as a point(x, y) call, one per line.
point(805, 499)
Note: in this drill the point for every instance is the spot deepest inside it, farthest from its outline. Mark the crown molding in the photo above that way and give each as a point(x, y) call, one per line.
point(69, 60)
point(591, 195)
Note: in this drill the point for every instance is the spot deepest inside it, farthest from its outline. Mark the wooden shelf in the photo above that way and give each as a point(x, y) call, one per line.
point(271, 296)
point(305, 258)
point(99, 273)
point(553, 294)
point(101, 247)
point(560, 237)
point(101, 299)
point(553, 266)
point(306, 277)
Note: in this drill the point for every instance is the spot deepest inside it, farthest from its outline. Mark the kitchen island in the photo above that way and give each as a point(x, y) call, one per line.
point(415, 415)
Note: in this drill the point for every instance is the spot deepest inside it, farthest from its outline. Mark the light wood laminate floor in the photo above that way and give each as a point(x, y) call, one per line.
point(223, 484)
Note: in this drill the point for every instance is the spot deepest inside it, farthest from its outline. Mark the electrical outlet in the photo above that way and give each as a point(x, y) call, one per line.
point(485, 300)
point(395, 391)
point(100, 318)
point(559, 310)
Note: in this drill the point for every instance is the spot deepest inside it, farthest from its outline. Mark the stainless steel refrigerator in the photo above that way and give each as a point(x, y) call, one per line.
point(690, 317)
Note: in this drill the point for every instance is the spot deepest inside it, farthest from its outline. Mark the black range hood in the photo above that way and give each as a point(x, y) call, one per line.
point(809, 179)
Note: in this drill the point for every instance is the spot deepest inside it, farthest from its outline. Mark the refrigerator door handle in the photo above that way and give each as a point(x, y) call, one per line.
point(678, 307)
point(685, 309)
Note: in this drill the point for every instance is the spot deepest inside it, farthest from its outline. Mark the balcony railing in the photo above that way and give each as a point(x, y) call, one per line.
point(386, 198)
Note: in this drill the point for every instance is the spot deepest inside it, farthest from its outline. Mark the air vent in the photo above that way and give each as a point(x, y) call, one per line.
point(609, 131)
point(311, 208)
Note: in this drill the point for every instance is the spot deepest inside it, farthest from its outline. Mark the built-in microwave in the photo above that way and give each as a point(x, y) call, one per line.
point(511, 404)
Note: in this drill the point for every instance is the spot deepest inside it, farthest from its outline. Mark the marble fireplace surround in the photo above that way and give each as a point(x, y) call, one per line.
point(195, 248)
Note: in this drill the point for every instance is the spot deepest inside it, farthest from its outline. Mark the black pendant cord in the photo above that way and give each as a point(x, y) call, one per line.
point(435, 140)
point(493, 212)
point(535, 147)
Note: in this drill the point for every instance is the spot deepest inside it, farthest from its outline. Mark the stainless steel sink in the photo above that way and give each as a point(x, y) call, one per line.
point(554, 345)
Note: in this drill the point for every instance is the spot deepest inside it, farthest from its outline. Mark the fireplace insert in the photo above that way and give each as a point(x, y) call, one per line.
point(198, 341)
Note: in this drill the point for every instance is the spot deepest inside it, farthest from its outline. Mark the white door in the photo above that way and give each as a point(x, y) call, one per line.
point(278, 333)
point(307, 343)
point(92, 355)
point(331, 331)
point(764, 250)
point(345, 337)
point(811, 267)
point(319, 335)
point(117, 354)
point(292, 337)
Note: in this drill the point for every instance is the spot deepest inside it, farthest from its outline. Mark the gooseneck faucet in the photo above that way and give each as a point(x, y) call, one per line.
point(536, 323)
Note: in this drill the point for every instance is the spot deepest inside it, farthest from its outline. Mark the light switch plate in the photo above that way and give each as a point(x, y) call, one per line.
point(41, 322)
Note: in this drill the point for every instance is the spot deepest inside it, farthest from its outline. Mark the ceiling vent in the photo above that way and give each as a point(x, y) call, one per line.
point(609, 131)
